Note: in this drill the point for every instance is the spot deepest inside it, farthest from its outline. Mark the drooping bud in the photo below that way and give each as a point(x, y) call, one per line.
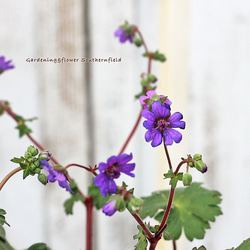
point(200, 166)
point(187, 179)
point(43, 179)
point(109, 208)
point(137, 41)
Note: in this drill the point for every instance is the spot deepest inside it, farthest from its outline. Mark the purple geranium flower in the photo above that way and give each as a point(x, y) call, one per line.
point(111, 170)
point(56, 175)
point(160, 124)
point(5, 65)
point(109, 208)
point(123, 36)
point(150, 96)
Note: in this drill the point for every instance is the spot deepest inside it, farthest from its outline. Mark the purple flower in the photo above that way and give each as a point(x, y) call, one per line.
point(56, 175)
point(150, 95)
point(123, 36)
point(5, 65)
point(109, 208)
point(112, 170)
point(160, 124)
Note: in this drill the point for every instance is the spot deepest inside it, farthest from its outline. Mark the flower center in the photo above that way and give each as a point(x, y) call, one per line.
point(113, 172)
point(162, 125)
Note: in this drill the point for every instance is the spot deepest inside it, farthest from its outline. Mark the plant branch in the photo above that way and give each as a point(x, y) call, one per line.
point(8, 176)
point(131, 133)
point(167, 154)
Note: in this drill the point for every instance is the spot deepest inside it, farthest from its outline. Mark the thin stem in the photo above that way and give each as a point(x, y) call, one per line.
point(167, 154)
point(144, 227)
point(89, 222)
point(8, 176)
point(142, 39)
point(131, 133)
point(174, 245)
point(166, 213)
point(90, 169)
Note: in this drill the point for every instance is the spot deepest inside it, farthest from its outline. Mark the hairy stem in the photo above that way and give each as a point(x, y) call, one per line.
point(8, 176)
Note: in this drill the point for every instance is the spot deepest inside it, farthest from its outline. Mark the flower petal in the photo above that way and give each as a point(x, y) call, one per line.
point(172, 134)
point(160, 110)
point(124, 158)
point(102, 166)
point(127, 168)
point(175, 122)
point(148, 115)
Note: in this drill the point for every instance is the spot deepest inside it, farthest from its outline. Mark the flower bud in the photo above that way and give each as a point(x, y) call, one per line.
point(120, 204)
point(200, 166)
point(43, 179)
point(187, 179)
point(44, 155)
point(151, 78)
point(137, 41)
point(135, 202)
point(197, 157)
point(144, 82)
point(109, 208)
point(34, 151)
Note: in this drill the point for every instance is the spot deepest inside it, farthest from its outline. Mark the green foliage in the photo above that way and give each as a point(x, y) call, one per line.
point(142, 240)
point(4, 245)
point(39, 246)
point(99, 200)
point(192, 209)
point(69, 203)
point(173, 179)
point(30, 164)
point(22, 127)
point(156, 56)
point(245, 245)
point(200, 248)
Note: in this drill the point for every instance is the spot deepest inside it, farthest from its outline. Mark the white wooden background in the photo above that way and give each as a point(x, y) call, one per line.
point(86, 110)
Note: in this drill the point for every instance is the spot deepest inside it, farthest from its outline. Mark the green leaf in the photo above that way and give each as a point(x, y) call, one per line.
point(169, 174)
point(18, 160)
point(200, 248)
point(192, 209)
point(245, 245)
point(39, 246)
point(142, 240)
point(23, 129)
point(69, 203)
point(99, 200)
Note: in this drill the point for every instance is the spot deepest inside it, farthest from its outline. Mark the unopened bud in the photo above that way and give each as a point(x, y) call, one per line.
point(187, 179)
point(197, 157)
point(34, 151)
point(43, 179)
point(201, 166)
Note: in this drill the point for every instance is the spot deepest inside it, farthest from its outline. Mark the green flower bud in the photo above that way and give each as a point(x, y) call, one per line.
point(197, 157)
point(43, 179)
point(200, 166)
point(34, 151)
point(137, 41)
point(44, 155)
point(151, 78)
point(28, 155)
point(120, 204)
point(136, 202)
point(187, 179)
point(155, 98)
point(144, 82)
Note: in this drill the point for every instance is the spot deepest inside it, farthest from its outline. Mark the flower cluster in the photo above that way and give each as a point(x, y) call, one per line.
point(112, 170)
point(160, 122)
point(56, 175)
point(5, 65)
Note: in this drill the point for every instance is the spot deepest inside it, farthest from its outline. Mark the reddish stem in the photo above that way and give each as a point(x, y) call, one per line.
point(89, 221)
point(90, 169)
point(131, 133)
point(167, 154)
point(166, 213)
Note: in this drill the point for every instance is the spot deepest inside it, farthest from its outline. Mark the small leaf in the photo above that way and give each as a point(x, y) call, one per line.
point(200, 248)
point(169, 174)
point(142, 240)
point(18, 160)
point(39, 246)
point(245, 245)
point(23, 129)
point(99, 200)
